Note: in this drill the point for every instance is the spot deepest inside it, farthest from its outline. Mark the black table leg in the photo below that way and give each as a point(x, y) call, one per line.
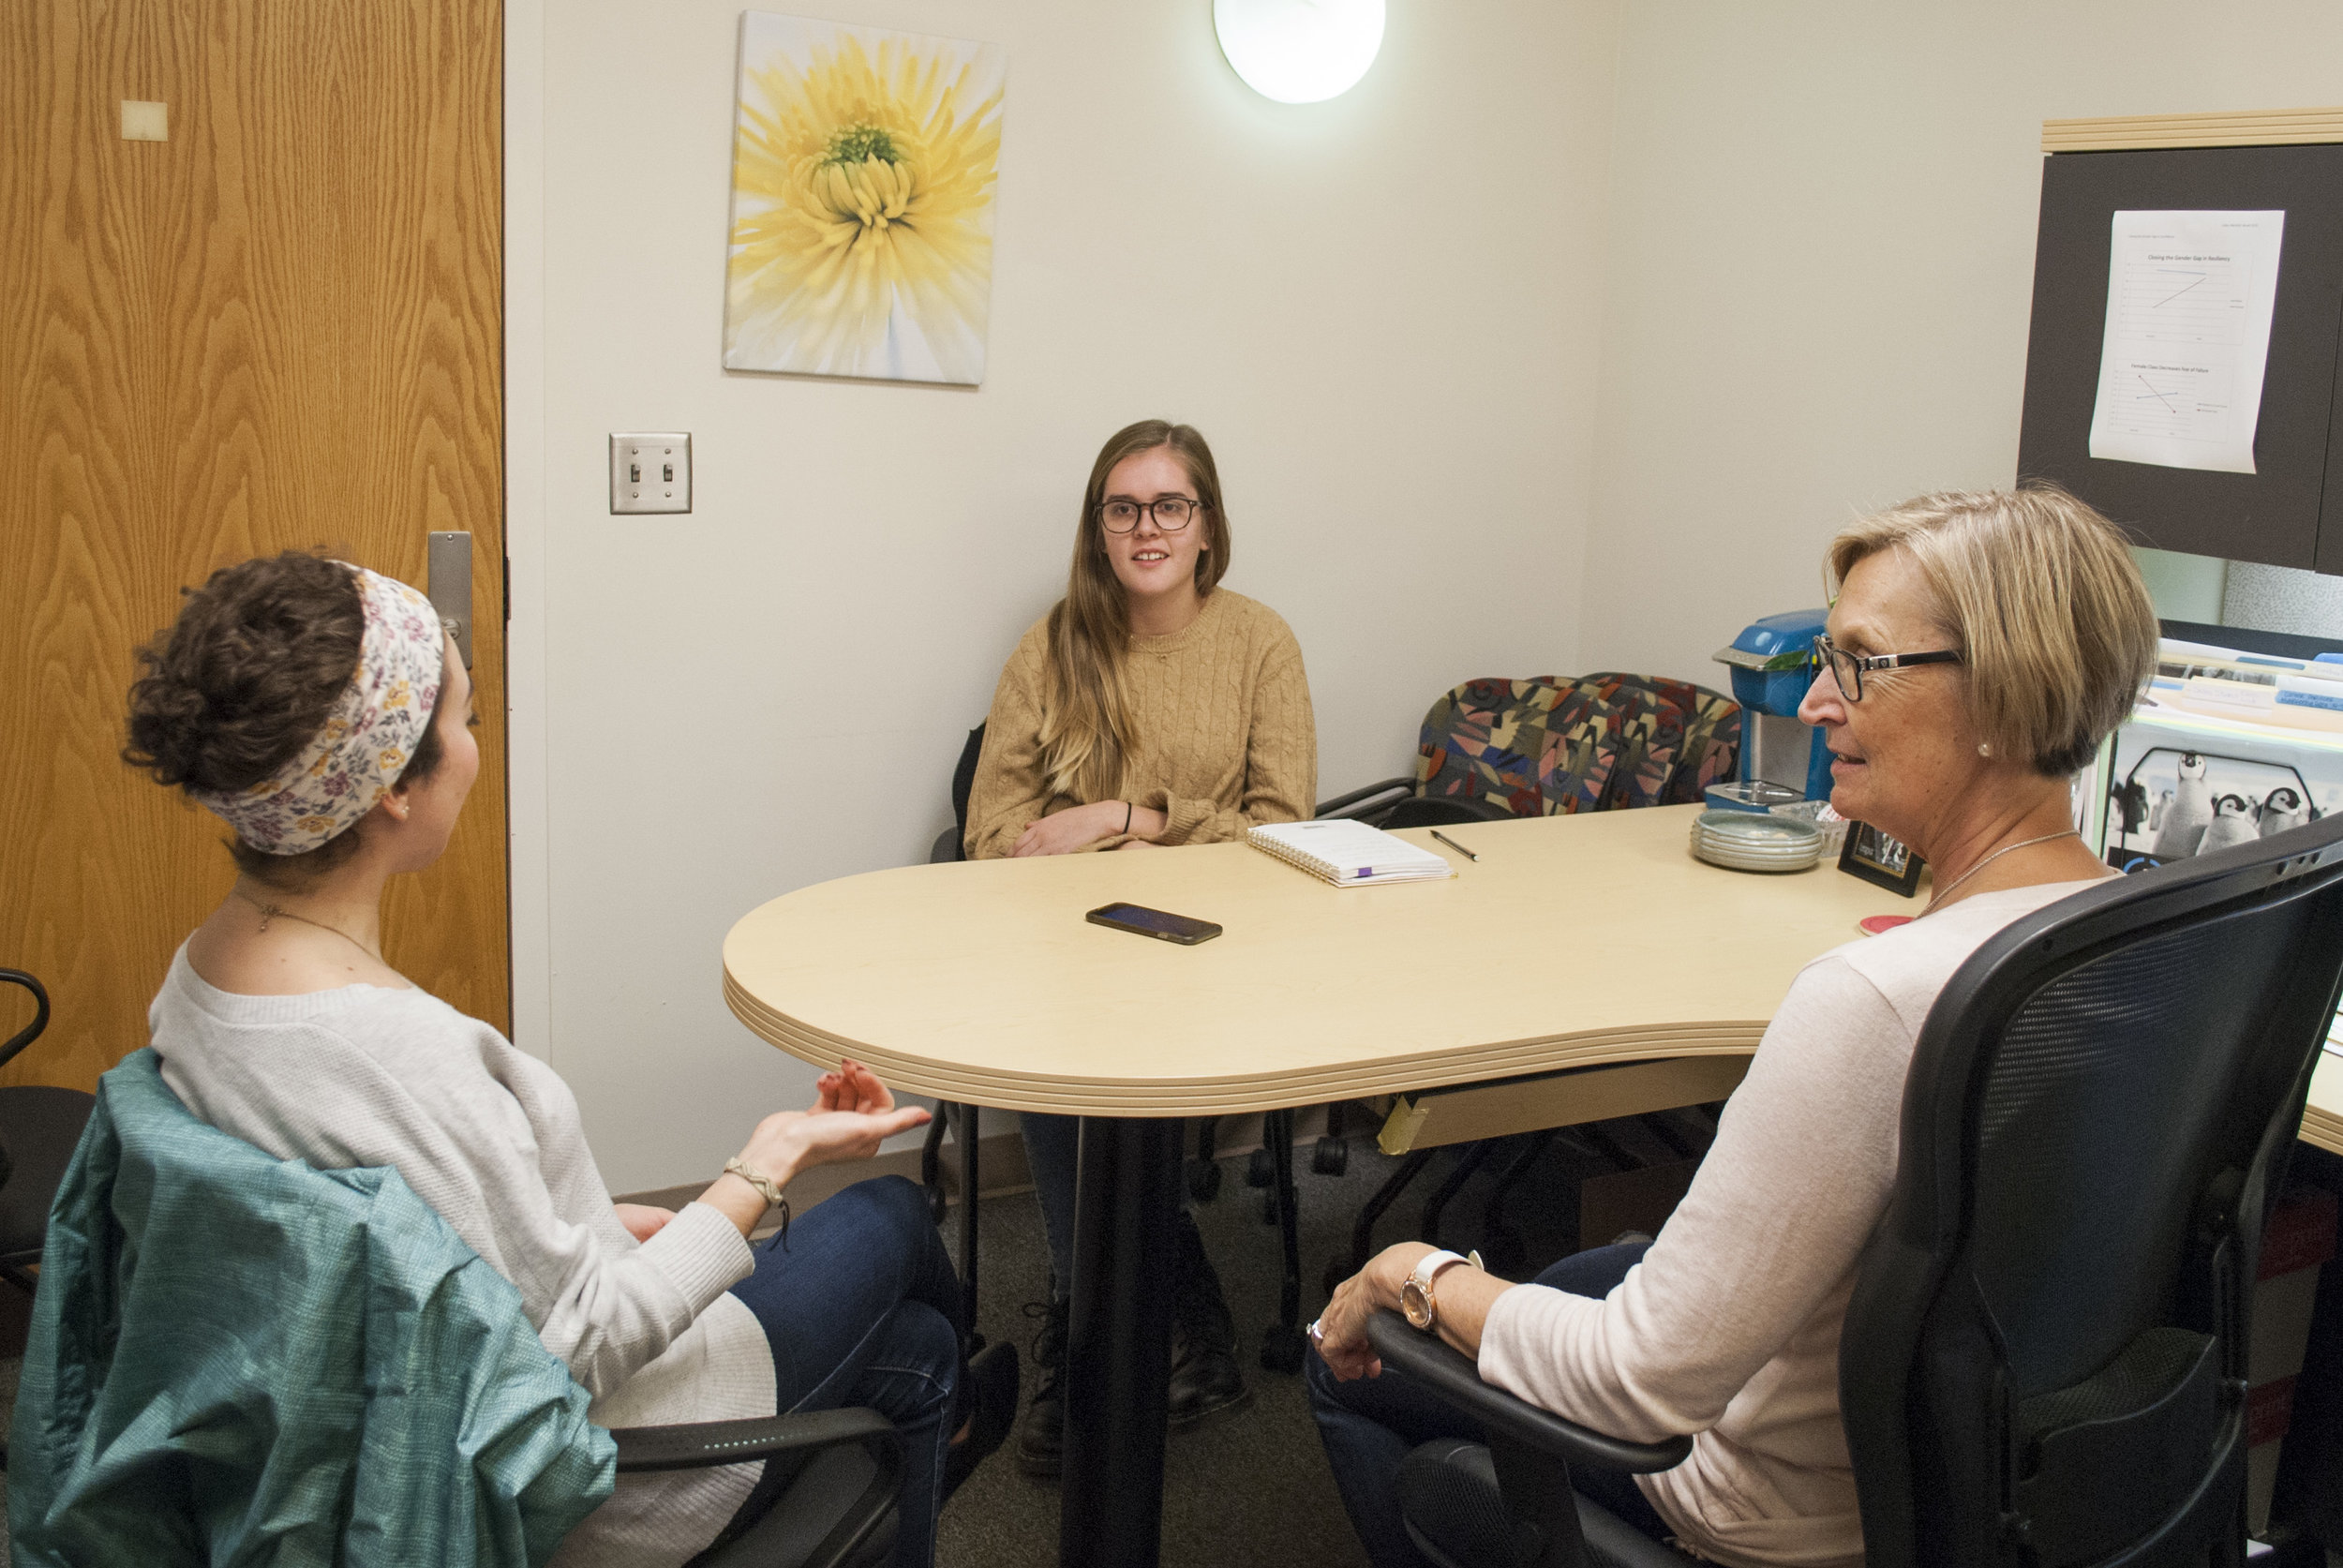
point(971, 1118)
point(1118, 1358)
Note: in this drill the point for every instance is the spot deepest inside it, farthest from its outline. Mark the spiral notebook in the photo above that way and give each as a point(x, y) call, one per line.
point(1349, 854)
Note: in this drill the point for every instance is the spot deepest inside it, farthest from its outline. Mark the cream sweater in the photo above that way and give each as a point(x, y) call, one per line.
point(490, 1138)
point(1222, 709)
point(1728, 1330)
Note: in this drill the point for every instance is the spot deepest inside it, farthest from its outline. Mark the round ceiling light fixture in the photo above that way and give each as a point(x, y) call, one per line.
point(1299, 51)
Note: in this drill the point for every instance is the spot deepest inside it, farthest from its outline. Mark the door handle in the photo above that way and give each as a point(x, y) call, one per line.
point(450, 588)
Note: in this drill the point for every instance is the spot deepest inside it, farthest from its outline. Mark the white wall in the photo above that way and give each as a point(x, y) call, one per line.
point(1382, 311)
point(1823, 250)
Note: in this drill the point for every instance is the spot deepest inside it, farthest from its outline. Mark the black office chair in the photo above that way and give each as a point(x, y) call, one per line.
point(827, 1498)
point(828, 1495)
point(38, 1127)
point(2044, 1361)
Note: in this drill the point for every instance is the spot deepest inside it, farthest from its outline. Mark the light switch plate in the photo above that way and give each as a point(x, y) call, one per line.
point(651, 472)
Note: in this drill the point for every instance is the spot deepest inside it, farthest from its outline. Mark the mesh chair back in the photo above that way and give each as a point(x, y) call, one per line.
point(2044, 1362)
point(1549, 746)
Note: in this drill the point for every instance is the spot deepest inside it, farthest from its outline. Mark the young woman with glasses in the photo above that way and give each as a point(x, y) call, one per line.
point(1149, 707)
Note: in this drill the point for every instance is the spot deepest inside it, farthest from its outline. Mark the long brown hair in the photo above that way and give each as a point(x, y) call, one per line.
point(1086, 734)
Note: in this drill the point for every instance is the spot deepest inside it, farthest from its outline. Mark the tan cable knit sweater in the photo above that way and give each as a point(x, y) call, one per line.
point(1226, 740)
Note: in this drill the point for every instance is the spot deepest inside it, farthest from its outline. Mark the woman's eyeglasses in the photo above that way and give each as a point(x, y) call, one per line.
point(1170, 513)
point(1847, 668)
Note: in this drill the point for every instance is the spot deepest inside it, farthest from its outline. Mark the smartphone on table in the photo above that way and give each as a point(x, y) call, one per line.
point(1160, 924)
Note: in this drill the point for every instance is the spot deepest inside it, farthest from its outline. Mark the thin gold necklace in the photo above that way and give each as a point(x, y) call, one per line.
point(275, 911)
point(1945, 891)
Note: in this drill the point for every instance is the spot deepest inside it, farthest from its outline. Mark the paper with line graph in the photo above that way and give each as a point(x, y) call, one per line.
point(2188, 297)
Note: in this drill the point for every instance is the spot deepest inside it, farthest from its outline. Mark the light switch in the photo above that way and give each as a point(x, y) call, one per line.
point(146, 122)
point(650, 472)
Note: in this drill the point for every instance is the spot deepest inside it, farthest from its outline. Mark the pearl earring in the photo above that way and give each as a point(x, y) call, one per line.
point(1984, 748)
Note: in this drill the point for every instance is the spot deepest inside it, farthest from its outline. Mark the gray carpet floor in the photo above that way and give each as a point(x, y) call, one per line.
point(1252, 1489)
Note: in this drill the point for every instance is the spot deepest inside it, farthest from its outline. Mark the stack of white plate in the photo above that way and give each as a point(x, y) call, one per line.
point(1749, 841)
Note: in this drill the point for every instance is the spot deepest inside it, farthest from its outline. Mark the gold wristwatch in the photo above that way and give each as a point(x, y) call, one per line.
point(1415, 1295)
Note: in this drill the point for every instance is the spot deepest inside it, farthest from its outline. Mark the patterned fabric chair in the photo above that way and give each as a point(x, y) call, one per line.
point(1709, 750)
point(1552, 745)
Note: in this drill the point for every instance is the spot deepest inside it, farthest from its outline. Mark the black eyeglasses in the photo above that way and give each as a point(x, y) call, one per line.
point(1170, 513)
point(1847, 668)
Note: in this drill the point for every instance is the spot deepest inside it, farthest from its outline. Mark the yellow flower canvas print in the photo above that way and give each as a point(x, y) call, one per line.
point(863, 172)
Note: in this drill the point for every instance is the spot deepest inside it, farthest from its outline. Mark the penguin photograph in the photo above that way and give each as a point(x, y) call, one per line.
point(2171, 802)
point(2191, 811)
point(2284, 809)
point(2233, 824)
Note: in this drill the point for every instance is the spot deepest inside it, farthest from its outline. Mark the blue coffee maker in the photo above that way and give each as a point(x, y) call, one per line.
point(1782, 760)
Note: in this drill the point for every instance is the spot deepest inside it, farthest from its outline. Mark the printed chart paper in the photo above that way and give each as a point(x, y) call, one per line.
point(2188, 297)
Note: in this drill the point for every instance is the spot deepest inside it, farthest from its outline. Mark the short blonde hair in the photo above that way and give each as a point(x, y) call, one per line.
point(2042, 598)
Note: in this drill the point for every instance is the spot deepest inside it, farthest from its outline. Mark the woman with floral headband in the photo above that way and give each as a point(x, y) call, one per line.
point(320, 711)
point(1150, 707)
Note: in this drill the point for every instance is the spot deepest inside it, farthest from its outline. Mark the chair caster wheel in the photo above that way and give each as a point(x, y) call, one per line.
point(1330, 1157)
point(936, 1205)
point(1502, 1251)
point(1269, 1208)
point(1203, 1180)
point(1261, 1170)
point(1281, 1350)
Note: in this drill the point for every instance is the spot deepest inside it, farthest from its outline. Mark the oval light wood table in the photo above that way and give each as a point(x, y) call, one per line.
point(1574, 942)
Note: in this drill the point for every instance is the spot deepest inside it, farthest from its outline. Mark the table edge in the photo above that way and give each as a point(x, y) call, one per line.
point(1238, 1094)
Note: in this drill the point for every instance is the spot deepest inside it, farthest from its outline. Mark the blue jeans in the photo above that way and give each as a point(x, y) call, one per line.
point(1052, 1148)
point(863, 1309)
point(1052, 1154)
point(1368, 1425)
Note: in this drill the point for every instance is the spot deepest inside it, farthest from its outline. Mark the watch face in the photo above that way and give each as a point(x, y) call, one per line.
point(1415, 1304)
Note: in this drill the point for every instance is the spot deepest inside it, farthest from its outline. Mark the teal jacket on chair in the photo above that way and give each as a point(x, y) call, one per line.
point(236, 1359)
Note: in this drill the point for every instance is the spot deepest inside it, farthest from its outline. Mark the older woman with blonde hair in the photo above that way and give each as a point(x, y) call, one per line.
point(1980, 648)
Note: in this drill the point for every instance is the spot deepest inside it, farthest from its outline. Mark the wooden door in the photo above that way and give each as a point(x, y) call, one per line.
point(281, 327)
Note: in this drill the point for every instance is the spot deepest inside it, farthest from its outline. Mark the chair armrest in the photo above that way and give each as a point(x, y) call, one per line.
point(1450, 1374)
point(946, 848)
point(702, 1444)
point(31, 1032)
point(1342, 803)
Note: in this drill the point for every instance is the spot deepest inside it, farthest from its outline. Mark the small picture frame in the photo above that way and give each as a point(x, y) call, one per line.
point(1872, 855)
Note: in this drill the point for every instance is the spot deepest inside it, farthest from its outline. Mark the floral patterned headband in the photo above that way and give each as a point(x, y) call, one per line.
point(369, 736)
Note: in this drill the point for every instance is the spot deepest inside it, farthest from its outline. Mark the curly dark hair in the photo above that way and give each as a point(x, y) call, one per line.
point(244, 679)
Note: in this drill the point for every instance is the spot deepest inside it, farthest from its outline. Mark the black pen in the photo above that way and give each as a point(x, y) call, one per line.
point(1454, 845)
